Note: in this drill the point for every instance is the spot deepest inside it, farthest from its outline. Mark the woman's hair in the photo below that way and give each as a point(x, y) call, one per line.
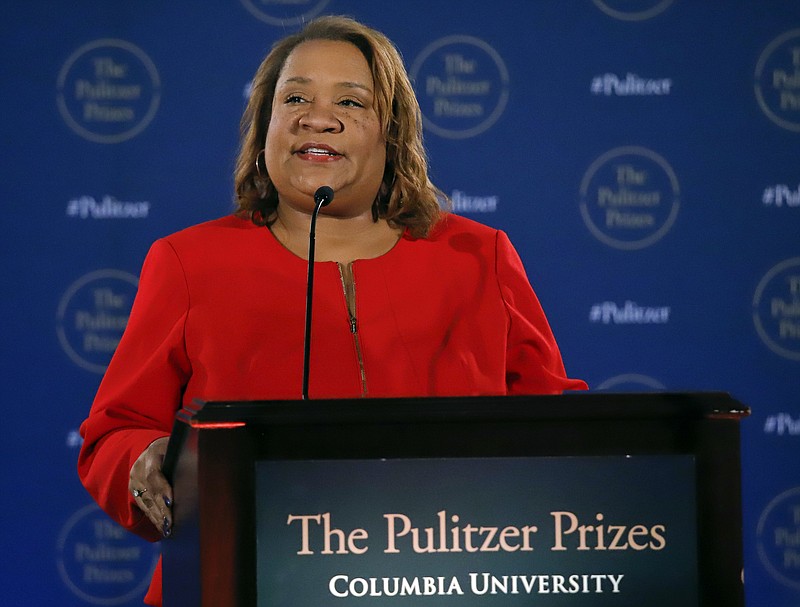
point(406, 197)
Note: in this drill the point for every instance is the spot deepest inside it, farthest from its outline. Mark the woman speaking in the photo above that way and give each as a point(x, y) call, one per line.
point(409, 300)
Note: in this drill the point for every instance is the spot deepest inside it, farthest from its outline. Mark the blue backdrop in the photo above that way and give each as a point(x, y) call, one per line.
point(641, 154)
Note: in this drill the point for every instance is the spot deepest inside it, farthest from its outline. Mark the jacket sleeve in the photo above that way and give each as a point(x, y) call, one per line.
point(533, 360)
point(141, 390)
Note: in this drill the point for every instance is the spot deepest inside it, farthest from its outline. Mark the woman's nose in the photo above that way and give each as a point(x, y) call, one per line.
point(321, 118)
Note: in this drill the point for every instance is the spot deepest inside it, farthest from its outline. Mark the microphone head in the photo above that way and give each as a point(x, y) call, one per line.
point(323, 196)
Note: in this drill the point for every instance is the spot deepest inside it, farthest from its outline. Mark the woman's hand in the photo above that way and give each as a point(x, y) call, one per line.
point(151, 490)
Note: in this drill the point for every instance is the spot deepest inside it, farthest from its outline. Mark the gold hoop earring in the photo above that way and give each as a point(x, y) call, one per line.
point(259, 171)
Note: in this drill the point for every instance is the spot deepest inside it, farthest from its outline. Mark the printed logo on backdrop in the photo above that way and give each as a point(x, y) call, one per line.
point(462, 84)
point(776, 309)
point(631, 382)
point(778, 537)
point(92, 314)
point(781, 195)
point(108, 91)
point(633, 10)
point(782, 424)
point(108, 207)
point(630, 198)
point(631, 85)
point(629, 313)
point(777, 80)
point(74, 439)
point(100, 562)
point(285, 12)
point(471, 203)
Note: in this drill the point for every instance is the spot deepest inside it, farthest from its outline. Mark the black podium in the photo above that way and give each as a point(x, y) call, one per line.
point(682, 451)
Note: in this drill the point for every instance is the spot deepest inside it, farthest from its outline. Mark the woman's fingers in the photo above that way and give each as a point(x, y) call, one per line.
point(150, 488)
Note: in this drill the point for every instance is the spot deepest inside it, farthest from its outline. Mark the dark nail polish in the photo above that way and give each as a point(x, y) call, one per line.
point(168, 502)
point(167, 530)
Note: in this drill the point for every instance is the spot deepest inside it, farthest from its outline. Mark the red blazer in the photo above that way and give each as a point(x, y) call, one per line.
point(220, 315)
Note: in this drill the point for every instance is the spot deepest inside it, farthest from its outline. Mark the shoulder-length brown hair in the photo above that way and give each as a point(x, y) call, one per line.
point(406, 197)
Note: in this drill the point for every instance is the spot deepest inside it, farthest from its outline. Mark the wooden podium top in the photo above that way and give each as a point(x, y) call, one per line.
point(586, 405)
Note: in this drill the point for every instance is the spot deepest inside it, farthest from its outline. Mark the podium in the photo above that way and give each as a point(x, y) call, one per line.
point(589, 499)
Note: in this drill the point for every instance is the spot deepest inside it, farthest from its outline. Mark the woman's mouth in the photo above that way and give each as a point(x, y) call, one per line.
point(317, 152)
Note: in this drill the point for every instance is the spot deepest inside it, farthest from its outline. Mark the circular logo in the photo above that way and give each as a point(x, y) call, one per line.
point(462, 85)
point(639, 10)
point(92, 315)
point(778, 535)
point(102, 563)
point(777, 80)
point(108, 91)
point(285, 12)
point(631, 382)
point(776, 309)
point(629, 198)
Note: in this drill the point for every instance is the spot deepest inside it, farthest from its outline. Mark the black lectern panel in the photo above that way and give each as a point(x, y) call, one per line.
point(681, 451)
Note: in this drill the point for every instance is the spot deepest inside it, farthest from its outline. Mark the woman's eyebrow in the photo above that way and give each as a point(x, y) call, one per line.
point(344, 84)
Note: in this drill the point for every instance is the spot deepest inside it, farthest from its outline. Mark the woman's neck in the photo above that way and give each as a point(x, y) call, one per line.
point(340, 239)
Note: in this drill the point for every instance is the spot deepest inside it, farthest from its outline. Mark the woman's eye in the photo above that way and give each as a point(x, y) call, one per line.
point(351, 103)
point(294, 99)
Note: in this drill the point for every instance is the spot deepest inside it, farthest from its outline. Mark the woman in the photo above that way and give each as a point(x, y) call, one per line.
point(409, 301)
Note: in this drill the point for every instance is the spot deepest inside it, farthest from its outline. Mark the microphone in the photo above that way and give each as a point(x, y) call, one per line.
point(322, 198)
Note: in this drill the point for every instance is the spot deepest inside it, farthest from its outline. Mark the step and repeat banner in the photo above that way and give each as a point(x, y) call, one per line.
point(643, 156)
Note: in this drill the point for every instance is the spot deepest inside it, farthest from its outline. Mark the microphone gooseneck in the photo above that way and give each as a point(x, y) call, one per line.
point(322, 198)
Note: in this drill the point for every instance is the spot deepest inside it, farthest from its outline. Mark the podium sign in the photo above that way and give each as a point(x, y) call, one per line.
point(492, 531)
point(570, 500)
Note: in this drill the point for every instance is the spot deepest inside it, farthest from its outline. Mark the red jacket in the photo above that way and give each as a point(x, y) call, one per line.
point(220, 312)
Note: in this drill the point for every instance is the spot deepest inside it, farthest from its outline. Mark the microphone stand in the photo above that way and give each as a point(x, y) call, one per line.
point(322, 197)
